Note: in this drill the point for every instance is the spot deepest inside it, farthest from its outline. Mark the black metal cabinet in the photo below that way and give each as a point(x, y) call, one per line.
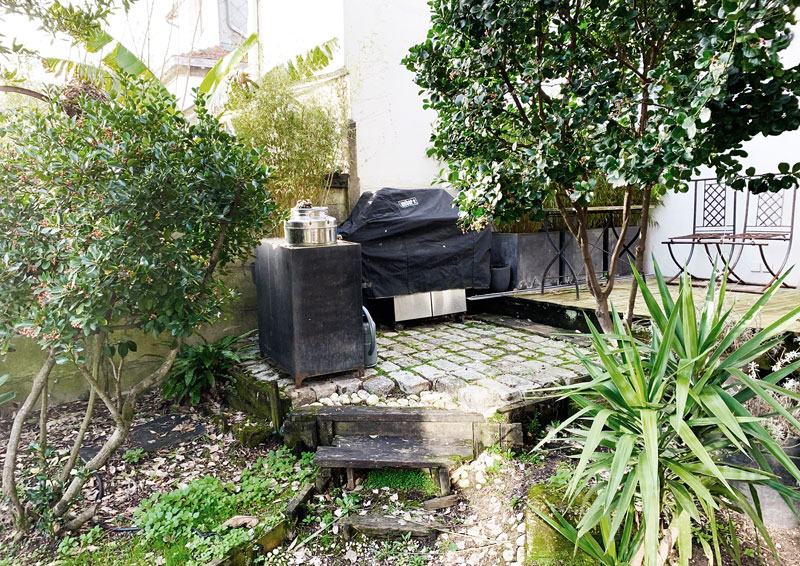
point(309, 307)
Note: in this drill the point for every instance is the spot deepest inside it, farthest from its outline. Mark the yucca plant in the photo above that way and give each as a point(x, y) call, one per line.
point(658, 423)
point(8, 395)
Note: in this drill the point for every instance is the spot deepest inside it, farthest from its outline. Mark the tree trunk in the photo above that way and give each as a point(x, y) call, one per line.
point(10, 464)
point(580, 231)
point(641, 247)
point(97, 359)
point(123, 419)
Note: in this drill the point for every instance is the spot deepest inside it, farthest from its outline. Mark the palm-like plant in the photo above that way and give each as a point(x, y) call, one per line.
point(8, 395)
point(658, 423)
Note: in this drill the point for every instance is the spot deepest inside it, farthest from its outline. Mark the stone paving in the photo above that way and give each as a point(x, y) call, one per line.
point(476, 365)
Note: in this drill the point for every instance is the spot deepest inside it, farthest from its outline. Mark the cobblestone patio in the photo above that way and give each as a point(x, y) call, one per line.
point(476, 365)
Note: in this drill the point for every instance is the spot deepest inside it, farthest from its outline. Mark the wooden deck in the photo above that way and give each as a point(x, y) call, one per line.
point(782, 301)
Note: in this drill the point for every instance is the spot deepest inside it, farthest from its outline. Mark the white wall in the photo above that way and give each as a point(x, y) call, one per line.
point(393, 130)
point(674, 216)
point(287, 29)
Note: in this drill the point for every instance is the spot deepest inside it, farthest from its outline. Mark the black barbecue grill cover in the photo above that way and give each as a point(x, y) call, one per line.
point(411, 243)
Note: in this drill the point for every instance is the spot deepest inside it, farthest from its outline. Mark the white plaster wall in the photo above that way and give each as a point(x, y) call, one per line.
point(674, 216)
point(393, 130)
point(287, 29)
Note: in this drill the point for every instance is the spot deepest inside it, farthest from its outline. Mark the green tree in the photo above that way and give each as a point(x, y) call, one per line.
point(119, 216)
point(538, 99)
point(53, 16)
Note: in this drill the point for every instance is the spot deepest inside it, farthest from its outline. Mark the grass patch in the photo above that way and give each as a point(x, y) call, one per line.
point(401, 480)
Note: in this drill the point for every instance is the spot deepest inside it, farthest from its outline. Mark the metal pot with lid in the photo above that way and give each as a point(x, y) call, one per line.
point(310, 226)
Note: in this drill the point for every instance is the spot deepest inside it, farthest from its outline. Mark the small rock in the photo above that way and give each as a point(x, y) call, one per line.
point(521, 540)
point(521, 528)
point(402, 402)
point(409, 382)
point(463, 483)
point(521, 554)
point(509, 555)
point(326, 401)
point(373, 400)
point(379, 385)
point(363, 394)
point(480, 477)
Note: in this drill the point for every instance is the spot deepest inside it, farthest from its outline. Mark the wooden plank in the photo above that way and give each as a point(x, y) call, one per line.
point(324, 476)
point(505, 435)
point(444, 481)
point(397, 443)
point(355, 413)
point(440, 502)
point(260, 545)
point(274, 405)
point(387, 526)
point(444, 432)
point(294, 509)
point(389, 452)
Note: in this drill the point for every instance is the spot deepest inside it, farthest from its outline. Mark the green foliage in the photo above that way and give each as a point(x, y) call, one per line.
point(303, 66)
point(403, 552)
point(172, 520)
point(666, 438)
point(8, 395)
point(199, 367)
point(206, 503)
point(114, 216)
point(57, 16)
point(302, 134)
point(223, 68)
point(535, 97)
point(561, 476)
point(134, 456)
point(403, 480)
point(176, 525)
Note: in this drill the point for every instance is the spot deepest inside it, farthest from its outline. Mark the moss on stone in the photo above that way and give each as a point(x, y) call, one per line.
point(545, 546)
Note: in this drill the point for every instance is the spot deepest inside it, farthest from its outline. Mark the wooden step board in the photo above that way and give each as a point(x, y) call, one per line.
point(372, 452)
point(310, 427)
point(365, 452)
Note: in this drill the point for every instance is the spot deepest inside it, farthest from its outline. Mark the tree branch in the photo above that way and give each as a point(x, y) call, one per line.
point(10, 463)
point(513, 92)
point(626, 219)
point(25, 92)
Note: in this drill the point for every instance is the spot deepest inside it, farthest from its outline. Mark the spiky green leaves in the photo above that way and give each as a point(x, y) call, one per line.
point(659, 422)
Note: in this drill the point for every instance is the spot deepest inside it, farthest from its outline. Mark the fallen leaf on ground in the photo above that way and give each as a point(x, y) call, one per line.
point(239, 521)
